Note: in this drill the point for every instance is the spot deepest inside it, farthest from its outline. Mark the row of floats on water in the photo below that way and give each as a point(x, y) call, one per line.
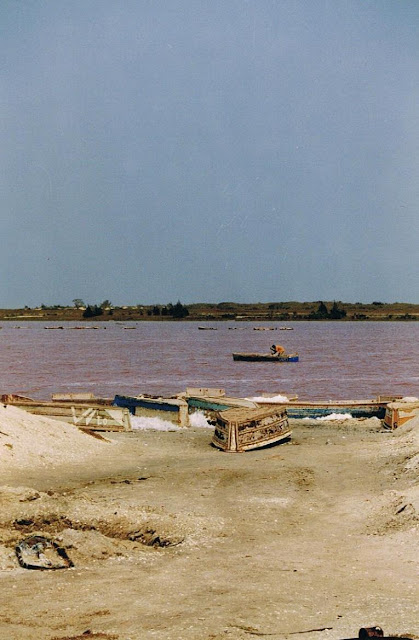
point(240, 424)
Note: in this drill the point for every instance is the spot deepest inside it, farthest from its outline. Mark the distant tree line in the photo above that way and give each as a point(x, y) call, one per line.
point(273, 311)
point(177, 310)
point(93, 310)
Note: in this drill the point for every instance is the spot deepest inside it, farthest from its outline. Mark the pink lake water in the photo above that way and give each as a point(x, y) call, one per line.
point(339, 360)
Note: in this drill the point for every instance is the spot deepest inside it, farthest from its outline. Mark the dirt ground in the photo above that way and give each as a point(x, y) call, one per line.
point(172, 539)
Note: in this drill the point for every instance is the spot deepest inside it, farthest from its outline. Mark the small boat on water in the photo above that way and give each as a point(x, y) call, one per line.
point(207, 328)
point(265, 357)
point(244, 429)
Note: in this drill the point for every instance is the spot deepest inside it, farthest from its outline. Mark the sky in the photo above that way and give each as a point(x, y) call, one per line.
point(208, 151)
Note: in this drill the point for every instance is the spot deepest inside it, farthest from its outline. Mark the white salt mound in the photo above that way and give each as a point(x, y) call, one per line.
point(269, 399)
point(335, 416)
point(198, 420)
point(141, 423)
point(26, 439)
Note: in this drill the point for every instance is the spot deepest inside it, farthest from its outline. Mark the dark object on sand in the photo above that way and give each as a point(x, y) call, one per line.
point(37, 552)
point(375, 632)
point(370, 632)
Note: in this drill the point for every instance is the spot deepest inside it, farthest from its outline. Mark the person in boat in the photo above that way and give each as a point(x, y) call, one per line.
point(277, 350)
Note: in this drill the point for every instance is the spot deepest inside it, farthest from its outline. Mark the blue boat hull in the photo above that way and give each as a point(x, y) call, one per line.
point(131, 402)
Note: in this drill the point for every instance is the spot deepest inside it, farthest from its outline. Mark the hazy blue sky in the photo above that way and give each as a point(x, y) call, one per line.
point(246, 150)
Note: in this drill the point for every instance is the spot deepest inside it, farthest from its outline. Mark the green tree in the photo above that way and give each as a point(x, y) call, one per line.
point(322, 312)
point(336, 313)
point(92, 310)
point(179, 310)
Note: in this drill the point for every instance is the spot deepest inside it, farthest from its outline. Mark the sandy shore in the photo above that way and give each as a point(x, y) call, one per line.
point(172, 539)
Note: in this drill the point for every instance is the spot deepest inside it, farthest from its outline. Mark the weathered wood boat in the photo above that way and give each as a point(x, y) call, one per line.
point(242, 429)
point(299, 409)
point(265, 357)
point(357, 409)
point(85, 415)
point(177, 408)
point(173, 409)
point(210, 400)
point(398, 413)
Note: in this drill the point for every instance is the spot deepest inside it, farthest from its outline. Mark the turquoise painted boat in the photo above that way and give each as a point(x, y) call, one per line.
point(313, 410)
point(296, 409)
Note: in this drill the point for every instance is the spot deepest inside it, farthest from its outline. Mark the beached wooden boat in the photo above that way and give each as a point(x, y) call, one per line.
point(398, 413)
point(86, 416)
point(210, 400)
point(243, 429)
point(299, 409)
point(265, 357)
point(177, 408)
point(172, 409)
point(357, 408)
